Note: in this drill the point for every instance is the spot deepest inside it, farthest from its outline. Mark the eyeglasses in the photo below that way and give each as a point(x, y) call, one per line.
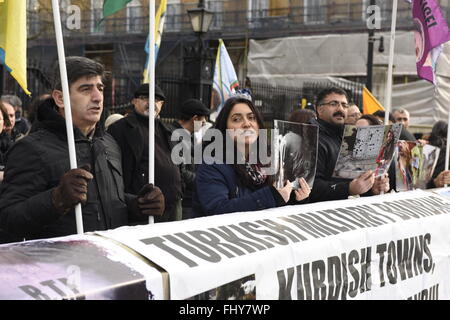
point(336, 104)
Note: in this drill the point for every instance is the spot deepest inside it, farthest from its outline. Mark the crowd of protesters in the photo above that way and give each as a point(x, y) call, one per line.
point(39, 190)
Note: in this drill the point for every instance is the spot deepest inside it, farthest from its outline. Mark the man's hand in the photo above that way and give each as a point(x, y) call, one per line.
point(285, 192)
point(72, 189)
point(381, 185)
point(150, 201)
point(362, 184)
point(442, 179)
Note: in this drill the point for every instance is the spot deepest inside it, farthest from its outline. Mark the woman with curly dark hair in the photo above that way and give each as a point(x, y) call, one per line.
point(242, 185)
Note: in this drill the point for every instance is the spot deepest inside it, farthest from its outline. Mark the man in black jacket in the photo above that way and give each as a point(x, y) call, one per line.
point(192, 116)
point(331, 107)
point(39, 191)
point(132, 135)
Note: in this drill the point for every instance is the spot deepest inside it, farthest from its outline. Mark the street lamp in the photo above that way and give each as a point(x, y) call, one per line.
point(198, 62)
point(201, 18)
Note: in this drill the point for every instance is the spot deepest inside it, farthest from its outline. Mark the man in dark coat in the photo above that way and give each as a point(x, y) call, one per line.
point(39, 191)
point(192, 116)
point(331, 110)
point(132, 135)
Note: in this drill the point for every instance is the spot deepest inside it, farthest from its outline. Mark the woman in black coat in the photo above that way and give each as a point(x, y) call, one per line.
point(242, 185)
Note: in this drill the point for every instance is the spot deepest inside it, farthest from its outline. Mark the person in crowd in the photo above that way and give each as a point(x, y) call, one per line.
point(192, 117)
point(380, 114)
point(367, 120)
point(132, 135)
point(35, 103)
point(402, 116)
point(40, 191)
point(302, 116)
point(223, 187)
point(11, 130)
point(22, 125)
point(353, 114)
point(332, 106)
point(438, 138)
point(4, 122)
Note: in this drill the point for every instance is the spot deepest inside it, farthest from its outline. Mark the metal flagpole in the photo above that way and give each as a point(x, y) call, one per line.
point(151, 96)
point(388, 100)
point(67, 106)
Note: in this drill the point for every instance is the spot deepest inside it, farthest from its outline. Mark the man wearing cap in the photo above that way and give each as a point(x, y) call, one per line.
point(132, 135)
point(192, 116)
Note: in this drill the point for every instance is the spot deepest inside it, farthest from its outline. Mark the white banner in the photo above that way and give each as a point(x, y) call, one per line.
point(394, 246)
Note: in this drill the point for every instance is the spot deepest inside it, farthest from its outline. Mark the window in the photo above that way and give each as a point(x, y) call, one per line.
point(135, 20)
point(216, 7)
point(96, 16)
point(257, 11)
point(173, 16)
point(315, 11)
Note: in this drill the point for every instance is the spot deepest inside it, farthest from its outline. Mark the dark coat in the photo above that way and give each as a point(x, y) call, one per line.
point(34, 167)
point(127, 133)
point(217, 191)
point(325, 187)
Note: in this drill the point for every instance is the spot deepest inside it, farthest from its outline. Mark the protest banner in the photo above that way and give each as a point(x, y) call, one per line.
point(76, 268)
point(295, 147)
point(394, 246)
point(366, 148)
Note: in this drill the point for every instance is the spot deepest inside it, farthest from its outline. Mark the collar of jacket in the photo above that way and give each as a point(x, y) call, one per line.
point(48, 118)
point(329, 128)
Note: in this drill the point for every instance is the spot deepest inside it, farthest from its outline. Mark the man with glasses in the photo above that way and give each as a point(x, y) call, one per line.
point(132, 135)
point(332, 109)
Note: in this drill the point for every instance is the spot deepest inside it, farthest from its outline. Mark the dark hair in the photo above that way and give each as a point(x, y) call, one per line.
point(382, 114)
point(4, 114)
point(77, 67)
point(221, 125)
point(373, 121)
point(301, 116)
point(438, 137)
point(324, 93)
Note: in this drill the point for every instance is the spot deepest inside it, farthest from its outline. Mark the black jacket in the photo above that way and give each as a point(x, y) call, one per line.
point(325, 187)
point(128, 134)
point(34, 167)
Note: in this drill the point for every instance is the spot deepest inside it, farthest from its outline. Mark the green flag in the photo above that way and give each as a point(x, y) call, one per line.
point(112, 6)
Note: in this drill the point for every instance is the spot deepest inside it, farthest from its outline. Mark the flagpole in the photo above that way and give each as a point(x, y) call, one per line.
point(388, 100)
point(151, 96)
point(67, 106)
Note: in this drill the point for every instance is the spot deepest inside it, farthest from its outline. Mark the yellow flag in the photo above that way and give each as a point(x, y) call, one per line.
point(370, 103)
point(13, 39)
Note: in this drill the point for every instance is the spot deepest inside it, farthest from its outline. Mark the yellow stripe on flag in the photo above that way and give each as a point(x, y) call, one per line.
point(13, 39)
point(370, 103)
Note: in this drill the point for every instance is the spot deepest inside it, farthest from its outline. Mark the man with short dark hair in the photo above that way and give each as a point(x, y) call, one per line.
point(132, 135)
point(332, 106)
point(192, 117)
point(40, 191)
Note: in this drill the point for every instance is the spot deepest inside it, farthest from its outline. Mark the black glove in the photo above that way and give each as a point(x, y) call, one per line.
point(72, 189)
point(150, 201)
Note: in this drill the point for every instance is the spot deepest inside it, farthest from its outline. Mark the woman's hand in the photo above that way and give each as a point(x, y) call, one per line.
point(303, 192)
point(285, 192)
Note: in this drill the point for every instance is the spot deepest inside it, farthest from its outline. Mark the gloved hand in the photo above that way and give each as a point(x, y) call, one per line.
point(72, 189)
point(150, 201)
